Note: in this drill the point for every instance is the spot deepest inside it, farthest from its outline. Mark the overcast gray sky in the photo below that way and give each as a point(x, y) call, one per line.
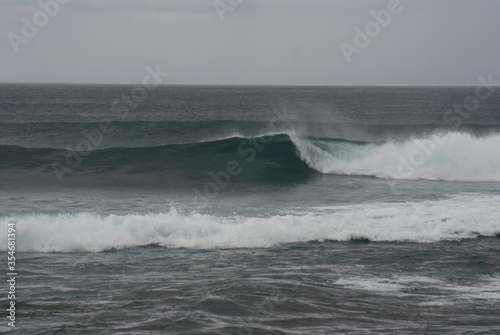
point(293, 42)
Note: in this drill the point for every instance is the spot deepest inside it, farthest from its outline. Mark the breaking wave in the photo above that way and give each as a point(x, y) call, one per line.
point(451, 156)
point(456, 218)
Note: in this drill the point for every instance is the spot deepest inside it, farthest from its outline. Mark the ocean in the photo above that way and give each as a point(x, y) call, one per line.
point(251, 210)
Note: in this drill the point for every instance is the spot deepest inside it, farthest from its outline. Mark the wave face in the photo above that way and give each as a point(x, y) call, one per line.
point(264, 158)
point(451, 156)
point(460, 217)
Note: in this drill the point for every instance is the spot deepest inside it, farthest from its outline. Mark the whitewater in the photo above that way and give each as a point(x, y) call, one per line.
point(459, 217)
point(451, 156)
point(363, 210)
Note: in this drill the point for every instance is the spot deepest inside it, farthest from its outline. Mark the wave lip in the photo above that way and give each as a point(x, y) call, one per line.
point(450, 157)
point(460, 217)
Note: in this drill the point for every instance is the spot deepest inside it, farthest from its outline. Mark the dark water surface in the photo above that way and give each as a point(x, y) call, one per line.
point(252, 210)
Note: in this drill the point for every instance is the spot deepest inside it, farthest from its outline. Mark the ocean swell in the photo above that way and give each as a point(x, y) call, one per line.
point(451, 156)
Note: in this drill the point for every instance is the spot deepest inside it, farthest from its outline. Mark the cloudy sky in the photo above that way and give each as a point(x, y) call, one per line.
point(296, 42)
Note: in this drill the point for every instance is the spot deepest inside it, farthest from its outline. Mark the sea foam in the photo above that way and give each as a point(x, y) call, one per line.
point(451, 156)
point(459, 217)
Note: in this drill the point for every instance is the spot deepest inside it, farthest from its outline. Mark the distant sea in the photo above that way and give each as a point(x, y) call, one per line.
point(252, 210)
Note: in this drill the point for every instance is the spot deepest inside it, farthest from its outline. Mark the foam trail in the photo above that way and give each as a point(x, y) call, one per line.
point(464, 216)
point(451, 156)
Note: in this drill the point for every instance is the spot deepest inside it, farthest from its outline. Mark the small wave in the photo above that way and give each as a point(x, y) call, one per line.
point(460, 217)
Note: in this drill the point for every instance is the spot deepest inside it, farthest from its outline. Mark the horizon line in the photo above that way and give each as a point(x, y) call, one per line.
point(243, 85)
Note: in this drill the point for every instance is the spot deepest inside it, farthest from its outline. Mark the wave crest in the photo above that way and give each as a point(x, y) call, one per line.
point(451, 156)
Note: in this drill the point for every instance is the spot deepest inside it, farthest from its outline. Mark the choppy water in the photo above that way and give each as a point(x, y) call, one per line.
point(252, 210)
